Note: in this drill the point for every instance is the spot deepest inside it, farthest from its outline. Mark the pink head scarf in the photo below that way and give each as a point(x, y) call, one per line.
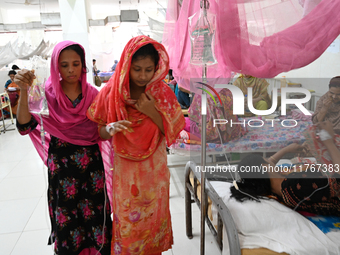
point(65, 121)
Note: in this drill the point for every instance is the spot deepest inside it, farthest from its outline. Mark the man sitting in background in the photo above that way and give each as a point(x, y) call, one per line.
point(113, 68)
point(328, 106)
point(94, 67)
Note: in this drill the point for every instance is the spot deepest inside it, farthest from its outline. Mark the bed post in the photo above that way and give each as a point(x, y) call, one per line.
point(188, 202)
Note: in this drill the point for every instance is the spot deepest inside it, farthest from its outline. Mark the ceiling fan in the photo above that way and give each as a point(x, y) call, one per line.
point(25, 3)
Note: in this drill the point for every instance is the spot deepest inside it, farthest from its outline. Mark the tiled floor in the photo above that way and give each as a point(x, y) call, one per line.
point(24, 220)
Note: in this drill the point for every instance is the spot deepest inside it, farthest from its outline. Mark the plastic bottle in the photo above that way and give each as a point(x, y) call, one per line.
point(283, 82)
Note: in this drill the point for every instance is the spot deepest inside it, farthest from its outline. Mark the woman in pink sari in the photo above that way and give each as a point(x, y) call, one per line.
point(79, 211)
point(142, 114)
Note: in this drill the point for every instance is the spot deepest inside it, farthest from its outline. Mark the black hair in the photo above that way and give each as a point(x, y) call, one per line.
point(12, 72)
point(170, 74)
point(147, 50)
point(251, 183)
point(94, 60)
point(15, 67)
point(334, 82)
point(79, 50)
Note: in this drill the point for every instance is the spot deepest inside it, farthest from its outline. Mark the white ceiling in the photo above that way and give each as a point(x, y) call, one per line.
point(18, 12)
point(31, 6)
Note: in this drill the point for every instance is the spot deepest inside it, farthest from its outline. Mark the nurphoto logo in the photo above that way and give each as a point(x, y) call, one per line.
point(238, 105)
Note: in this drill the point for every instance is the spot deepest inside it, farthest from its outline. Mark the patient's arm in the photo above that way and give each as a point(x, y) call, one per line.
point(330, 145)
point(333, 151)
point(292, 148)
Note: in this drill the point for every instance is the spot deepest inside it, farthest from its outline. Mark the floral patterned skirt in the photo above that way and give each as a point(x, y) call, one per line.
point(142, 220)
point(79, 211)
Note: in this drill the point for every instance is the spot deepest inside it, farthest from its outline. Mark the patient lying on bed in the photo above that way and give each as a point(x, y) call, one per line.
point(225, 133)
point(308, 191)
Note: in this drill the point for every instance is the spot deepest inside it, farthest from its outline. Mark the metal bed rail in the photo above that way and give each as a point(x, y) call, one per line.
point(5, 102)
point(224, 216)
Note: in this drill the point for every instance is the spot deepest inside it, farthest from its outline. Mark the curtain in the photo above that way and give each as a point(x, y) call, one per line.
point(259, 38)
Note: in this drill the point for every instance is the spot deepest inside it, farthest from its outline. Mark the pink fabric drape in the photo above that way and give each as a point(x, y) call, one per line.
point(308, 5)
point(259, 38)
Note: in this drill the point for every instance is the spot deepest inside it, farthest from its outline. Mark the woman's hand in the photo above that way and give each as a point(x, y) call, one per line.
point(146, 105)
point(119, 126)
point(24, 78)
point(327, 102)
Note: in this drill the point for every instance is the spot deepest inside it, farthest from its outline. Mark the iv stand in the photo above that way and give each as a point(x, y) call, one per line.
point(203, 159)
point(203, 148)
point(231, 232)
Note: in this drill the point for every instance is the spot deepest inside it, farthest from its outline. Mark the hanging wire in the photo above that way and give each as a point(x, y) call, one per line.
point(42, 137)
point(234, 182)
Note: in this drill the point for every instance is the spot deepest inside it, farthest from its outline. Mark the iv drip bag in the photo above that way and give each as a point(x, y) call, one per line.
point(202, 36)
point(37, 102)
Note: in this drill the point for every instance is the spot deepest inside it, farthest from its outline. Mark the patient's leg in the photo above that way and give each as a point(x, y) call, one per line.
point(261, 105)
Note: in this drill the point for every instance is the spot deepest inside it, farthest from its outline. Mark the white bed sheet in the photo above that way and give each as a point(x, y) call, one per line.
point(274, 226)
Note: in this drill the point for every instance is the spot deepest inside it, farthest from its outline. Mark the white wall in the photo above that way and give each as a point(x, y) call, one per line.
point(316, 75)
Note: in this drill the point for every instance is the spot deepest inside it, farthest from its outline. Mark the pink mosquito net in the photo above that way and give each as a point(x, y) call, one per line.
point(262, 38)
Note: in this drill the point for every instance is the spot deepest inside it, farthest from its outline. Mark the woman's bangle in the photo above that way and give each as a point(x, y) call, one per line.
point(274, 160)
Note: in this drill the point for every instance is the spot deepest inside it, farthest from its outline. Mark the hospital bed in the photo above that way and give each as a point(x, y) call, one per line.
point(105, 76)
point(255, 228)
point(262, 139)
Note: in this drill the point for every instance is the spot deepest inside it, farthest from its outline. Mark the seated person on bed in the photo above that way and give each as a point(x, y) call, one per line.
point(173, 85)
point(295, 189)
point(328, 106)
point(183, 95)
point(11, 75)
point(13, 91)
point(261, 99)
point(169, 77)
point(228, 132)
point(113, 68)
